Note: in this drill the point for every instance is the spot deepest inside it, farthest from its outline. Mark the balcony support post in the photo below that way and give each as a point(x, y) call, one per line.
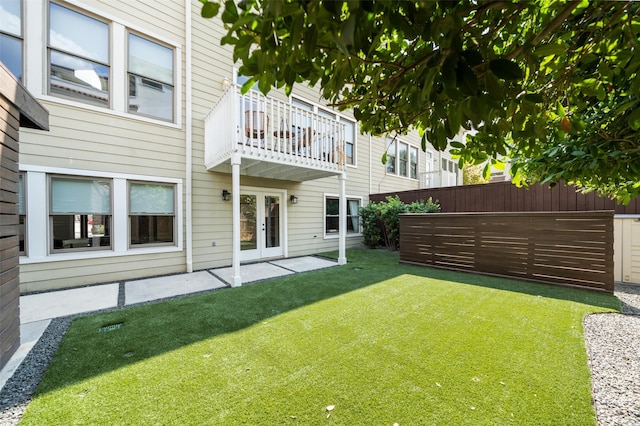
point(236, 279)
point(342, 256)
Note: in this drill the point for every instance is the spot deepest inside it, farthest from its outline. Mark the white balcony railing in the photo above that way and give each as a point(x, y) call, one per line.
point(430, 180)
point(263, 129)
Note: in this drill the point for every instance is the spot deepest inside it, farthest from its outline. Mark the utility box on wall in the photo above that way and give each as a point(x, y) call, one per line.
point(18, 108)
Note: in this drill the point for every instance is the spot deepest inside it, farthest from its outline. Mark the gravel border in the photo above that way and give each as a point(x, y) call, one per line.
point(613, 347)
point(20, 388)
point(612, 343)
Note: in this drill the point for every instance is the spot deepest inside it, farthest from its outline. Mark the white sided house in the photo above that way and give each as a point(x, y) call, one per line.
point(155, 163)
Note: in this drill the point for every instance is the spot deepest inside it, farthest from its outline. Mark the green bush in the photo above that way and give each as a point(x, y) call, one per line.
point(381, 221)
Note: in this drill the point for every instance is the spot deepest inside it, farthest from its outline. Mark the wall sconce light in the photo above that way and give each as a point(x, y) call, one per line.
point(293, 199)
point(226, 195)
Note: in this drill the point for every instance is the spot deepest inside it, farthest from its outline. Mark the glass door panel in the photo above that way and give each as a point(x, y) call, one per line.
point(261, 229)
point(272, 221)
point(248, 223)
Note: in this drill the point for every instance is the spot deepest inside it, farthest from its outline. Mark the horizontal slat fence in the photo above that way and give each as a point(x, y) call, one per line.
point(506, 197)
point(567, 248)
point(18, 108)
point(9, 248)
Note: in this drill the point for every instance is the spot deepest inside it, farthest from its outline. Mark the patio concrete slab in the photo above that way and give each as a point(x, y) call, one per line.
point(252, 272)
point(305, 263)
point(139, 291)
point(53, 304)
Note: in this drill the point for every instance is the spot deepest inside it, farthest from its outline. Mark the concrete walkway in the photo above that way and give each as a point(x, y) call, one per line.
point(37, 310)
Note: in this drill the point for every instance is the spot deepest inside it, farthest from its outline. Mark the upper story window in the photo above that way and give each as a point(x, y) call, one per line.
point(402, 159)
point(304, 120)
point(350, 140)
point(450, 166)
point(11, 36)
point(242, 79)
point(430, 164)
point(413, 162)
point(391, 157)
point(78, 56)
point(150, 72)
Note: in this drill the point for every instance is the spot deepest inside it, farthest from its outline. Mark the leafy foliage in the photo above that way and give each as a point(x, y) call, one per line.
point(381, 221)
point(551, 84)
point(472, 175)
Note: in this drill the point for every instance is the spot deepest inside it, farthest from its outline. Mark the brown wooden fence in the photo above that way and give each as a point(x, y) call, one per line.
point(506, 197)
point(568, 248)
point(17, 108)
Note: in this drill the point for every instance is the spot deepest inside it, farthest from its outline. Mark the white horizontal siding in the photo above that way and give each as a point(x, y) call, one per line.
point(56, 275)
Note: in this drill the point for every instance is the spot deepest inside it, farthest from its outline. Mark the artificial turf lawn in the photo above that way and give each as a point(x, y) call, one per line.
point(383, 342)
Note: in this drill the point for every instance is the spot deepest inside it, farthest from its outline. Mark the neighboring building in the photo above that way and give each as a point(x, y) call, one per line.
point(155, 164)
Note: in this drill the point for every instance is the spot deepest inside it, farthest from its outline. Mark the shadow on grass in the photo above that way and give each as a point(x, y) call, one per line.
point(142, 332)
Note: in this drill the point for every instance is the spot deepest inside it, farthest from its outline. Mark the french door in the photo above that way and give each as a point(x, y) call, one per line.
point(261, 224)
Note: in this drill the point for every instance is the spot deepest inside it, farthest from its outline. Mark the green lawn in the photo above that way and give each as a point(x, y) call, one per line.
point(382, 342)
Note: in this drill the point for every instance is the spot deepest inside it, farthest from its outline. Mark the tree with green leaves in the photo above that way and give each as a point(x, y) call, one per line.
point(472, 175)
point(552, 85)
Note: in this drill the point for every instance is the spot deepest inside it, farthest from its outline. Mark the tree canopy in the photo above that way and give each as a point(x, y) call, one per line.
point(551, 85)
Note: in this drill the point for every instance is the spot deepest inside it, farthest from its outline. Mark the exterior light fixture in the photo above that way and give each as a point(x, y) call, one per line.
point(293, 199)
point(226, 195)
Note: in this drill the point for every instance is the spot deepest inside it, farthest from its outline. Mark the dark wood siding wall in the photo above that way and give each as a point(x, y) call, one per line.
point(18, 108)
point(9, 291)
point(567, 248)
point(506, 197)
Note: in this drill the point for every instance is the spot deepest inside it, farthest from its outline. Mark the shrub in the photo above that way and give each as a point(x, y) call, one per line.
point(381, 221)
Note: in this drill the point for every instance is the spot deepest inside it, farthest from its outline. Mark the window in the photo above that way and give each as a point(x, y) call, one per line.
point(350, 135)
point(11, 36)
point(449, 172)
point(391, 157)
point(413, 165)
point(150, 76)
point(80, 214)
point(326, 125)
point(151, 213)
point(402, 159)
point(21, 214)
point(332, 215)
point(242, 79)
point(78, 64)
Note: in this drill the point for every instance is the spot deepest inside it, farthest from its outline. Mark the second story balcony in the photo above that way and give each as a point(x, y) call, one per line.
point(273, 138)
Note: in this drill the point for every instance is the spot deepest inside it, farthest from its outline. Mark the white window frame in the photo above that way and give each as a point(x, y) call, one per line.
point(50, 239)
point(129, 216)
point(396, 163)
point(35, 64)
point(20, 38)
point(50, 48)
point(324, 216)
point(143, 36)
point(237, 75)
point(413, 149)
point(38, 212)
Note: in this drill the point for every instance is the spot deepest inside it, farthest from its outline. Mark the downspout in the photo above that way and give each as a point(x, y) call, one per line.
point(342, 233)
point(370, 166)
point(189, 137)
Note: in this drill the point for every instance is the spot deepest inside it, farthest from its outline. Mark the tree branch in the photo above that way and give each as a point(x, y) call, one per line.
point(557, 21)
